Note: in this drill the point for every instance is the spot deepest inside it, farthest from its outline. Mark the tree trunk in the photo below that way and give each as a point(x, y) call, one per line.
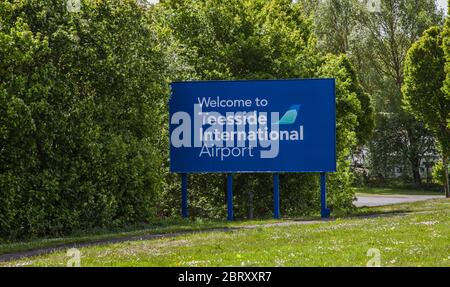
point(415, 166)
point(446, 181)
point(417, 178)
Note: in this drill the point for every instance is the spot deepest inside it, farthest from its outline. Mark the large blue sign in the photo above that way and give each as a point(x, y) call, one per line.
point(253, 126)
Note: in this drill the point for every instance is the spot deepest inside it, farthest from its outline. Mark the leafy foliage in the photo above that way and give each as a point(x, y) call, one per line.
point(376, 44)
point(439, 173)
point(78, 111)
point(422, 89)
point(423, 95)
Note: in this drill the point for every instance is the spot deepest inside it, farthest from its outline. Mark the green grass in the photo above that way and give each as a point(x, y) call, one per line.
point(421, 237)
point(394, 191)
point(157, 227)
point(171, 226)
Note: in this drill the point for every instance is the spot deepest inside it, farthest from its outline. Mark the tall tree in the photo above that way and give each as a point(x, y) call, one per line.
point(446, 47)
point(391, 32)
point(335, 24)
point(376, 42)
point(388, 35)
point(423, 95)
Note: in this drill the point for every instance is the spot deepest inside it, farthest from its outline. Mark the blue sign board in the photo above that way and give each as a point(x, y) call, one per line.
point(253, 126)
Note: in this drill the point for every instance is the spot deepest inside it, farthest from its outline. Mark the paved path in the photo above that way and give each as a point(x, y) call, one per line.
point(380, 200)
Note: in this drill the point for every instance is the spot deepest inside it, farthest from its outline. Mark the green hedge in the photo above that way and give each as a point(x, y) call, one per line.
point(79, 99)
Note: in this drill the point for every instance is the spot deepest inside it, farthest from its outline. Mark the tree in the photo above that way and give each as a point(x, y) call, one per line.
point(243, 39)
point(392, 147)
point(335, 23)
point(365, 113)
point(392, 31)
point(446, 47)
point(385, 38)
point(423, 95)
point(376, 43)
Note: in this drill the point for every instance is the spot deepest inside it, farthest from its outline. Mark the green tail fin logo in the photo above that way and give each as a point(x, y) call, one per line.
point(290, 116)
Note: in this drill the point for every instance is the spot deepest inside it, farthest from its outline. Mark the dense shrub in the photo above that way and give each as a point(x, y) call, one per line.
point(79, 99)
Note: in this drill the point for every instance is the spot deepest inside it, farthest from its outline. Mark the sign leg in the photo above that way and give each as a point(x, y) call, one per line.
point(230, 196)
point(184, 195)
point(325, 212)
point(276, 196)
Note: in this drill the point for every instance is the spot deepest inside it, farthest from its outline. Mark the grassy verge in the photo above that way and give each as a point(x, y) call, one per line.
point(173, 226)
point(429, 206)
point(420, 238)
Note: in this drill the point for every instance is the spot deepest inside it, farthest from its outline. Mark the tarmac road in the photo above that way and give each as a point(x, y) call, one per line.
point(380, 200)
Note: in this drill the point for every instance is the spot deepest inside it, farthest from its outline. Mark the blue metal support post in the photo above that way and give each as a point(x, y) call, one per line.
point(184, 195)
point(325, 212)
point(276, 196)
point(230, 196)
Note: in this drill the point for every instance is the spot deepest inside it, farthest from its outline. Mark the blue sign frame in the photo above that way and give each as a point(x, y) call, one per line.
point(293, 123)
point(253, 126)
